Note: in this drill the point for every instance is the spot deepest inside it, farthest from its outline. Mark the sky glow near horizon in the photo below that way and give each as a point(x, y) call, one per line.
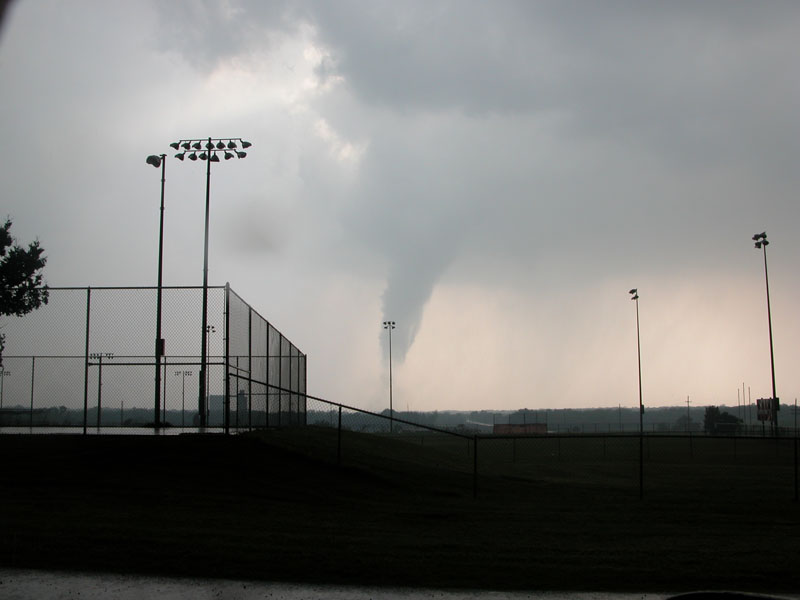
point(494, 177)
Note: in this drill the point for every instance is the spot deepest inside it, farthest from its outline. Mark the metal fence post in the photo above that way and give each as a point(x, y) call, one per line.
point(33, 369)
point(280, 377)
point(475, 467)
point(227, 334)
point(297, 387)
point(289, 386)
point(86, 362)
point(266, 379)
point(339, 439)
point(249, 368)
point(795, 467)
point(305, 389)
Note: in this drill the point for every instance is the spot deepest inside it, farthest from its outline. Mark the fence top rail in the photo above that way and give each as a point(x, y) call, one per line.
point(374, 414)
point(131, 287)
point(635, 435)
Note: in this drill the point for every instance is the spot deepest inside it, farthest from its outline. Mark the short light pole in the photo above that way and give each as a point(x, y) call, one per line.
point(390, 325)
point(688, 416)
point(209, 330)
point(99, 356)
point(182, 375)
point(209, 149)
point(3, 375)
point(159, 160)
point(635, 297)
point(761, 242)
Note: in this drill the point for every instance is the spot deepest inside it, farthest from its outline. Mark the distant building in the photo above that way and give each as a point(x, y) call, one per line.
point(522, 429)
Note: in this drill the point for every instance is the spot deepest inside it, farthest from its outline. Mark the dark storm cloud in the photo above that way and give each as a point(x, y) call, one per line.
point(695, 88)
point(686, 76)
point(543, 149)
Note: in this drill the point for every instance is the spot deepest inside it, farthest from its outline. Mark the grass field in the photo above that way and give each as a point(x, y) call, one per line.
point(550, 514)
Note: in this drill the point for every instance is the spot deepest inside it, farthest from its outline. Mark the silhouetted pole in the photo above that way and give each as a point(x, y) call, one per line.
point(209, 330)
point(390, 325)
point(209, 155)
point(183, 375)
point(635, 297)
point(688, 416)
point(100, 356)
point(159, 161)
point(761, 241)
point(3, 375)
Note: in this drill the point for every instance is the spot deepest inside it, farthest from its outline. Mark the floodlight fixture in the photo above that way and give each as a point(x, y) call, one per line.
point(220, 145)
point(155, 160)
point(228, 156)
point(193, 156)
point(231, 144)
point(197, 146)
point(175, 145)
point(180, 155)
point(246, 144)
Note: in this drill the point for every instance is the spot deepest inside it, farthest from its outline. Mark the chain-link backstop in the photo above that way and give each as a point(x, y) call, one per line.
point(89, 359)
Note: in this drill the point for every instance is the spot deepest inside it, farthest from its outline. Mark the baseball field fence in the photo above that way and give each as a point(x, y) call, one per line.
point(89, 361)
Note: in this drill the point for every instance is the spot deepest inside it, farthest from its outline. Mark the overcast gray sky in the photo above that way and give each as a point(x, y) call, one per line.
point(493, 176)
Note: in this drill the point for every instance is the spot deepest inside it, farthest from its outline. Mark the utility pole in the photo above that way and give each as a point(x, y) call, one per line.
point(688, 416)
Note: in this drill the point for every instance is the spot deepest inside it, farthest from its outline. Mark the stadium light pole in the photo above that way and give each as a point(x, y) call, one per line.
point(635, 297)
point(390, 325)
point(159, 160)
point(230, 149)
point(761, 242)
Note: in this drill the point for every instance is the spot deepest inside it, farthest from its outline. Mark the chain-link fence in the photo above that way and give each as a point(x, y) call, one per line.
point(89, 359)
point(626, 464)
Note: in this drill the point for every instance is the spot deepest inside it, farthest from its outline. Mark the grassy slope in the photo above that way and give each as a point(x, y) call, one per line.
point(273, 506)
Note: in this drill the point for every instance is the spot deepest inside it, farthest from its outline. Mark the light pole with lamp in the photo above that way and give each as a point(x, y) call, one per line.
point(159, 160)
point(390, 325)
point(182, 375)
point(230, 149)
point(761, 242)
point(209, 330)
point(99, 356)
point(3, 375)
point(635, 297)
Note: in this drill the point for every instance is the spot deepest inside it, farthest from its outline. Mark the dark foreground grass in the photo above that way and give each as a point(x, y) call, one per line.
point(276, 506)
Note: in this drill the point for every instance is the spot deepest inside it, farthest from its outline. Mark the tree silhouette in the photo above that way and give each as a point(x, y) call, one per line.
point(717, 421)
point(21, 289)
